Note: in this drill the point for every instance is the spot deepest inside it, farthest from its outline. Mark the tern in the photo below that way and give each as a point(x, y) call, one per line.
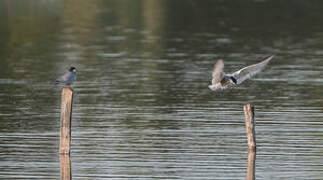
point(221, 80)
point(68, 78)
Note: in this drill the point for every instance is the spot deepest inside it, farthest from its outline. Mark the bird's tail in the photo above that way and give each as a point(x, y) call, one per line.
point(57, 82)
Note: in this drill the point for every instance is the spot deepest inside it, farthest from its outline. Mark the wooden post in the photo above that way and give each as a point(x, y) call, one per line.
point(65, 167)
point(251, 162)
point(66, 116)
point(250, 125)
point(250, 131)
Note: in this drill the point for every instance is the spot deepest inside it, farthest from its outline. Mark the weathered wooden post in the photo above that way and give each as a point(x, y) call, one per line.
point(66, 116)
point(250, 131)
point(65, 165)
point(250, 125)
point(251, 162)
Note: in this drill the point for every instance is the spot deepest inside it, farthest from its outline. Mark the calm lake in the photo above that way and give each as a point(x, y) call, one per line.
point(142, 108)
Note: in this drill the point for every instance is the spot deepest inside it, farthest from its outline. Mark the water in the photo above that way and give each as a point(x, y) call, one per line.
point(142, 109)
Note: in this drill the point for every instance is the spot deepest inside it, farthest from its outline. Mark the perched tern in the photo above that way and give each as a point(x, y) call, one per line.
point(68, 78)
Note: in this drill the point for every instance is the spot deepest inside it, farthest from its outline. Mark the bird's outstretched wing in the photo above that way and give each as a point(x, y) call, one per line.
point(249, 71)
point(217, 74)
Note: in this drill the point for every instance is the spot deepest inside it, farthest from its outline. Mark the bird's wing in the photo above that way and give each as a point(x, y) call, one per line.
point(249, 71)
point(217, 73)
point(64, 78)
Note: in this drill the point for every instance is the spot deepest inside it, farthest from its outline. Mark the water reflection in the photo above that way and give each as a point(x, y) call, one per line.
point(142, 106)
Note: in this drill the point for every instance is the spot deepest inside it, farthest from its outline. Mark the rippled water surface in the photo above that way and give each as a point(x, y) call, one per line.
point(142, 108)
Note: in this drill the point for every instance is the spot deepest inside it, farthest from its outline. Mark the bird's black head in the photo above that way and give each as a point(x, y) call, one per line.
point(72, 69)
point(233, 80)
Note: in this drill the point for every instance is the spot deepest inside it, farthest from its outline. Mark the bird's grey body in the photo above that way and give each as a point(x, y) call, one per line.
point(68, 78)
point(220, 80)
